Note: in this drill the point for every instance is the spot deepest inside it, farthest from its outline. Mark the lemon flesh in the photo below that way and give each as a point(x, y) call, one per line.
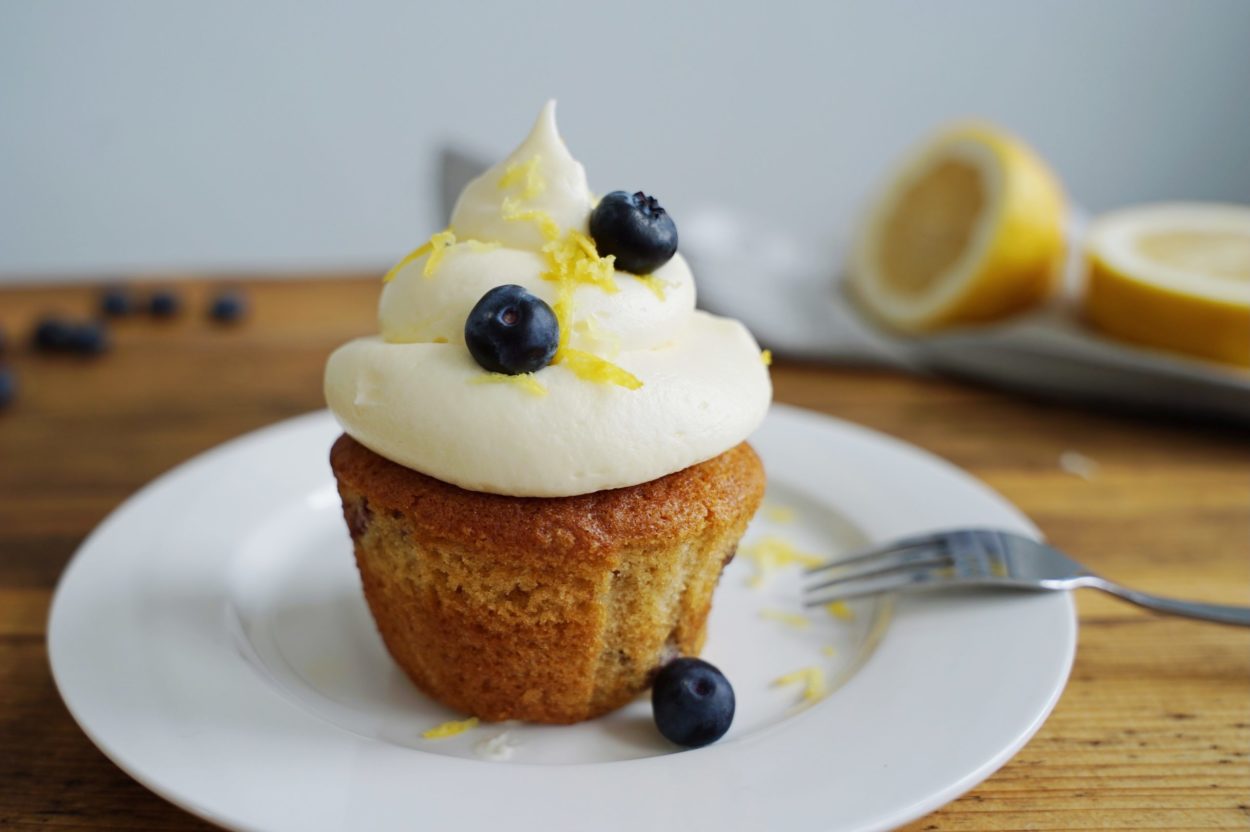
point(1175, 277)
point(968, 230)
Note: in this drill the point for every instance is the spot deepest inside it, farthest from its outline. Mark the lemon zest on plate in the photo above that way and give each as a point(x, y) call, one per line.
point(771, 554)
point(766, 356)
point(839, 610)
point(524, 381)
point(450, 729)
point(813, 680)
point(790, 619)
point(829, 650)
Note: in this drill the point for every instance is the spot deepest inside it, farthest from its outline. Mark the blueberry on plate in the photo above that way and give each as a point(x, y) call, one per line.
point(52, 335)
point(8, 387)
point(89, 338)
point(693, 702)
point(117, 302)
point(228, 307)
point(511, 331)
point(636, 229)
point(164, 303)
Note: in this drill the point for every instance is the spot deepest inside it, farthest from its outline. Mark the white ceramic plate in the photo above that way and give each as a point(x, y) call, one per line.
point(210, 637)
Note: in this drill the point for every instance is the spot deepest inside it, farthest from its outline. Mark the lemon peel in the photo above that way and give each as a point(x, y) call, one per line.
point(450, 729)
point(589, 367)
point(419, 251)
point(790, 619)
point(439, 244)
point(839, 610)
point(524, 381)
point(771, 554)
point(813, 680)
point(526, 172)
point(547, 226)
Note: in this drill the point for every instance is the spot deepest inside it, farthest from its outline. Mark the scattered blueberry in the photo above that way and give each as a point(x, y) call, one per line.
point(164, 303)
point(636, 229)
point(90, 338)
point(117, 302)
point(52, 335)
point(8, 387)
point(511, 331)
point(228, 307)
point(692, 701)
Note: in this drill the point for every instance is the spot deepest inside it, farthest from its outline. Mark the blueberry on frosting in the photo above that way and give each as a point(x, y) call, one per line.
point(636, 229)
point(511, 331)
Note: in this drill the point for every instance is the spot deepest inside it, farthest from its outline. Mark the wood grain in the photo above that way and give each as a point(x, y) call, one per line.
point(1153, 731)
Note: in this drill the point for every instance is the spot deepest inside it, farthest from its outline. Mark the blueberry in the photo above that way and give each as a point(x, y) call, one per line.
point(511, 331)
point(693, 702)
point(8, 387)
point(52, 335)
point(117, 302)
point(90, 338)
point(228, 307)
point(636, 229)
point(164, 303)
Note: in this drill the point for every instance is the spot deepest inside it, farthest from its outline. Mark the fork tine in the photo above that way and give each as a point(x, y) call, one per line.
point(872, 553)
point(895, 581)
point(891, 563)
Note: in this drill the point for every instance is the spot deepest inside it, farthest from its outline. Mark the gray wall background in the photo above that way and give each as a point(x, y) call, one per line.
point(156, 136)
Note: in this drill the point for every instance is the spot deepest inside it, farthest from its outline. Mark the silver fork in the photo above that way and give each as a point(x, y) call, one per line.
point(982, 558)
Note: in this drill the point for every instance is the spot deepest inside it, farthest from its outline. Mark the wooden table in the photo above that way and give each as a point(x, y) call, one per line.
point(1153, 731)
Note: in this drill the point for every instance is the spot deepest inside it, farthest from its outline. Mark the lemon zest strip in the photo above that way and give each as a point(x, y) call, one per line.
point(654, 284)
point(766, 356)
point(526, 172)
point(590, 367)
point(439, 244)
point(839, 610)
point(450, 729)
point(419, 251)
point(547, 226)
point(771, 554)
point(813, 680)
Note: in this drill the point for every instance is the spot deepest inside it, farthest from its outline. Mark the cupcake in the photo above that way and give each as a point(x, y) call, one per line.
point(543, 467)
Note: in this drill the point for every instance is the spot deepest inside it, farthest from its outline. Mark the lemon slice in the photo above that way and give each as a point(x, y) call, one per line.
point(1173, 276)
point(970, 229)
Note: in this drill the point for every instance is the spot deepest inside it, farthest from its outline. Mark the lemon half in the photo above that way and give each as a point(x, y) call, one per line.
point(970, 229)
point(1173, 276)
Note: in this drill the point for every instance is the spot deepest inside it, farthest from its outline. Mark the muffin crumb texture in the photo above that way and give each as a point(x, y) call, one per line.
point(542, 609)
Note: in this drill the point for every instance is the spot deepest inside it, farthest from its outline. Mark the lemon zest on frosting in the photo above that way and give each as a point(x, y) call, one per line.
point(654, 284)
point(790, 619)
point(547, 226)
point(590, 367)
point(767, 357)
point(525, 381)
point(439, 244)
point(813, 680)
point(573, 258)
point(450, 729)
point(419, 251)
point(526, 172)
point(438, 339)
point(839, 610)
point(771, 554)
point(478, 246)
point(609, 342)
point(780, 514)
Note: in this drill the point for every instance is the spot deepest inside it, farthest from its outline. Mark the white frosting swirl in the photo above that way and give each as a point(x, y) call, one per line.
point(414, 394)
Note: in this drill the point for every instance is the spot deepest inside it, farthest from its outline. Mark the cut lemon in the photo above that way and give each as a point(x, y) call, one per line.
point(1173, 276)
point(969, 229)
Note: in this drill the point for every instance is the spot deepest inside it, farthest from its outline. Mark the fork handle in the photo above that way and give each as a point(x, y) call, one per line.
point(1222, 613)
